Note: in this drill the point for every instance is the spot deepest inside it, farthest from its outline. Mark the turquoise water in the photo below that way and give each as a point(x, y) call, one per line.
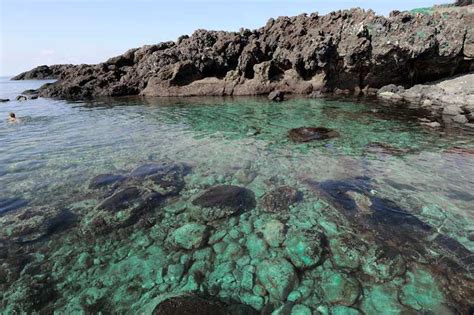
point(383, 224)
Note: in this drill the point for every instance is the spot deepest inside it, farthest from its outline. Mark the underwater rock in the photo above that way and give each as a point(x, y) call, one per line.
point(164, 178)
point(195, 305)
point(121, 209)
point(129, 197)
point(190, 236)
point(278, 277)
point(223, 201)
point(384, 263)
point(273, 233)
point(10, 204)
point(339, 288)
point(307, 134)
point(104, 180)
point(32, 224)
point(385, 148)
point(382, 299)
point(346, 251)
point(304, 248)
point(421, 292)
point(280, 199)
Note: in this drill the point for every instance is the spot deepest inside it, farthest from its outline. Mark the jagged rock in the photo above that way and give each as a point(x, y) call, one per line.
point(276, 96)
point(31, 224)
point(223, 201)
point(280, 199)
point(190, 236)
point(278, 277)
point(307, 134)
point(105, 180)
point(43, 73)
point(21, 98)
point(350, 50)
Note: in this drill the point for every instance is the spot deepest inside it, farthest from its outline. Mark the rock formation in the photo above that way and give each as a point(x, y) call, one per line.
point(349, 51)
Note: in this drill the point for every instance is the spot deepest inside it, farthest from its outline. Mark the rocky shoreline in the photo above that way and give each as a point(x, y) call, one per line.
point(345, 52)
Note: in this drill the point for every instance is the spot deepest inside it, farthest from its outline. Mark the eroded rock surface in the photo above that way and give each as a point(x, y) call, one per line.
point(344, 51)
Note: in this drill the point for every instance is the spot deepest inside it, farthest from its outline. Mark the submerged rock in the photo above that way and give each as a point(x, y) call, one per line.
point(190, 236)
point(129, 197)
point(164, 178)
point(280, 199)
point(223, 201)
point(304, 248)
point(10, 204)
point(339, 288)
point(32, 224)
point(307, 134)
point(195, 305)
point(105, 180)
point(278, 277)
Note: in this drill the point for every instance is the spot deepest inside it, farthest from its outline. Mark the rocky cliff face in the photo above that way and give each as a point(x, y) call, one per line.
point(344, 51)
point(43, 72)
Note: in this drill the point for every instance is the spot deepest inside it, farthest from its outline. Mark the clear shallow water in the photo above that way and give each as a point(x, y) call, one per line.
point(389, 201)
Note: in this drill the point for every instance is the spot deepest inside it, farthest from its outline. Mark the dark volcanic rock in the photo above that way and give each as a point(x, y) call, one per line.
point(280, 199)
point(32, 224)
point(164, 178)
point(349, 51)
point(3, 100)
point(222, 201)
point(123, 199)
point(194, 305)
point(276, 96)
point(306, 134)
point(105, 180)
point(43, 73)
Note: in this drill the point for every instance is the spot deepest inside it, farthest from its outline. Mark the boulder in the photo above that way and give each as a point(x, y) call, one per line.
point(278, 277)
point(21, 98)
point(307, 134)
point(280, 199)
point(276, 96)
point(223, 201)
point(105, 180)
point(164, 178)
point(3, 100)
point(304, 248)
point(32, 224)
point(190, 236)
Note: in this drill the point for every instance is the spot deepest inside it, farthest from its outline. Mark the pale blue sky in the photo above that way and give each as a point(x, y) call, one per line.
point(35, 32)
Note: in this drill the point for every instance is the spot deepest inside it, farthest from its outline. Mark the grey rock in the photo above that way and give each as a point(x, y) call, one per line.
point(299, 55)
point(276, 96)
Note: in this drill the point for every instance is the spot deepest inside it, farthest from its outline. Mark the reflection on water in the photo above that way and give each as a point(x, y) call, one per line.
point(383, 222)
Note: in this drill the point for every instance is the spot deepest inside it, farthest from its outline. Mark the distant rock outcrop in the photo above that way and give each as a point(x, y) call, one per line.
point(351, 51)
point(43, 72)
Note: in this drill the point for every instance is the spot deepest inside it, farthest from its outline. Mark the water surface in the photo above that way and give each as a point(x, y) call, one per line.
point(385, 210)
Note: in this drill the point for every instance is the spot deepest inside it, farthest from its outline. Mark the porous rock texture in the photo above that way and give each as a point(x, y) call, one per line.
point(344, 51)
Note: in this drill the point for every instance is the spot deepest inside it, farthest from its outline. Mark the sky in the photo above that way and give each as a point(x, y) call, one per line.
point(36, 32)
